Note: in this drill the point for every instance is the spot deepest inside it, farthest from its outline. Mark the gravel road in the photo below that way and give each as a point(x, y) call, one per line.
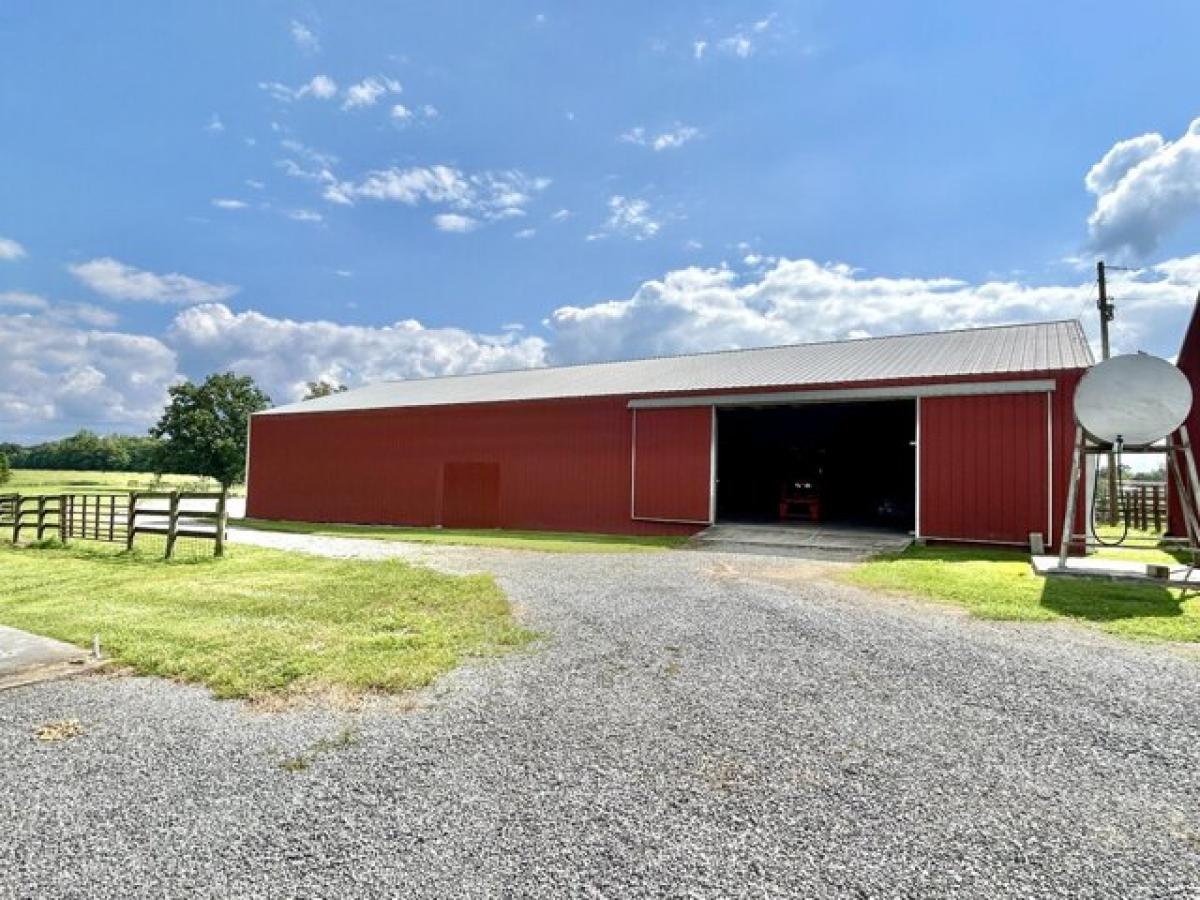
point(692, 725)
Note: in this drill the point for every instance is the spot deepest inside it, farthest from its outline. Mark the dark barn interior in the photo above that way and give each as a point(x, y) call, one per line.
point(843, 463)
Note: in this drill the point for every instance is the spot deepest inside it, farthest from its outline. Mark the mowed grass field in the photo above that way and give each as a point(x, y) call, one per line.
point(1000, 584)
point(259, 622)
point(59, 481)
point(546, 541)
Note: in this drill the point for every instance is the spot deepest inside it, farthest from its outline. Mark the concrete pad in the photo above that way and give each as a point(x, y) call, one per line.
point(25, 658)
point(842, 541)
point(1180, 576)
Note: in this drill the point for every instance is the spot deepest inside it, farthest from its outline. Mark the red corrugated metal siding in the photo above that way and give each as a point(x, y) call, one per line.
point(983, 467)
point(1189, 364)
point(673, 464)
point(986, 465)
point(566, 464)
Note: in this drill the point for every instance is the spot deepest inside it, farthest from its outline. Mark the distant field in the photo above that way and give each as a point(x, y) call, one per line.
point(57, 481)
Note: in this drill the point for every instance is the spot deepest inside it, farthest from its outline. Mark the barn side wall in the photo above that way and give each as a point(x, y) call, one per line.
point(1189, 364)
point(567, 465)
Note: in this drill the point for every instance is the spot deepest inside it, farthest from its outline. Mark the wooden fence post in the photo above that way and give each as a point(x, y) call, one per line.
point(130, 518)
point(41, 516)
point(64, 524)
point(1154, 499)
point(17, 504)
point(222, 519)
point(172, 524)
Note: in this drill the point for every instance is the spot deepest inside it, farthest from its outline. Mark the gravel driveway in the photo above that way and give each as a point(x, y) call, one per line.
point(693, 725)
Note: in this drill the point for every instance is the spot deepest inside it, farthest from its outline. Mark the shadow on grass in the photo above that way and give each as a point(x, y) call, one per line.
point(1096, 600)
point(999, 583)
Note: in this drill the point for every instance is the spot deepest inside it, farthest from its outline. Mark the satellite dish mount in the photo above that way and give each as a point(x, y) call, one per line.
point(1128, 404)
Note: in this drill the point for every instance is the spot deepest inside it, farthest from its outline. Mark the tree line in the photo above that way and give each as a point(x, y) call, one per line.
point(86, 450)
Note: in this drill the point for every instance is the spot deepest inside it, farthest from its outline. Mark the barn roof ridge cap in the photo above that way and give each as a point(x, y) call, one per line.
point(730, 350)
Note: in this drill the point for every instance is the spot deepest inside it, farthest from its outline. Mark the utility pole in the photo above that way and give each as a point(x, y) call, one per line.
point(1106, 309)
point(1106, 316)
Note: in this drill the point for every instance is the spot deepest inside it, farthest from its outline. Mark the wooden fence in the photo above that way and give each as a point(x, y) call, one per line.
point(118, 518)
point(1144, 503)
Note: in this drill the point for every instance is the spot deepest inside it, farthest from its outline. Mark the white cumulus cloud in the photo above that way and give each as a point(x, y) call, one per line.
point(1145, 187)
point(119, 281)
point(368, 91)
point(10, 250)
point(631, 216)
point(228, 203)
point(481, 196)
point(304, 37)
point(284, 354)
point(455, 223)
point(59, 374)
point(23, 300)
point(800, 300)
point(321, 87)
point(663, 140)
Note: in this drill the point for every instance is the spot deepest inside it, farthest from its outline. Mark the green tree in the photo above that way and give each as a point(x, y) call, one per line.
point(323, 388)
point(204, 428)
point(5, 471)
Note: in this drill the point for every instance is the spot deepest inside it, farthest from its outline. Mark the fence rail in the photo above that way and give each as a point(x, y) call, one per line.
point(118, 518)
point(1142, 503)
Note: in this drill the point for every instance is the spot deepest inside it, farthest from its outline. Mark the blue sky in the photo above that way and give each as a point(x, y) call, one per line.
point(364, 191)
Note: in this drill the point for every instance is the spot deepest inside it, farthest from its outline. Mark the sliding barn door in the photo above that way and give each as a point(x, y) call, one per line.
point(985, 467)
point(673, 464)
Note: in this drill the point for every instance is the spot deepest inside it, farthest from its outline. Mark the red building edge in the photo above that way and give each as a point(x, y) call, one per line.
point(1188, 362)
point(993, 457)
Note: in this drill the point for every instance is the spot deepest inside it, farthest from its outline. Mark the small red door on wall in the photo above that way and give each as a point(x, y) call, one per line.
point(471, 495)
point(672, 464)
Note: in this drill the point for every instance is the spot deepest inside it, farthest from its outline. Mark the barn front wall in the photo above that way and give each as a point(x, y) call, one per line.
point(987, 464)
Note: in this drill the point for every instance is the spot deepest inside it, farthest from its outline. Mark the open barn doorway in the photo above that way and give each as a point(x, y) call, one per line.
point(849, 464)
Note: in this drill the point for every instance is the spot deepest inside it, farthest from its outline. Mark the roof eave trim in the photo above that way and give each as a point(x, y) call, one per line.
point(893, 392)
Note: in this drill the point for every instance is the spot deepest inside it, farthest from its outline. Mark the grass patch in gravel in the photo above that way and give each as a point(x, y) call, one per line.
point(302, 761)
point(259, 622)
point(999, 584)
point(546, 541)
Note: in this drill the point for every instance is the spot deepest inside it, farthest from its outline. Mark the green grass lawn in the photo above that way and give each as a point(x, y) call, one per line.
point(548, 541)
point(1000, 584)
point(259, 622)
point(58, 481)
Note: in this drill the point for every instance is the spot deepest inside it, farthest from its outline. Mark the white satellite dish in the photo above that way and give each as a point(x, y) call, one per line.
point(1135, 399)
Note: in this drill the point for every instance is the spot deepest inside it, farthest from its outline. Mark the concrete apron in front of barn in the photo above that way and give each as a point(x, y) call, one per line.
point(28, 658)
point(812, 541)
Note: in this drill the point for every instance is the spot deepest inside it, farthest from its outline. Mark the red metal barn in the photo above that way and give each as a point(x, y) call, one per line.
point(959, 435)
point(1189, 362)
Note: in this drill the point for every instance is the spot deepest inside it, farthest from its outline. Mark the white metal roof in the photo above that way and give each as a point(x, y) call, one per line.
point(1005, 349)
